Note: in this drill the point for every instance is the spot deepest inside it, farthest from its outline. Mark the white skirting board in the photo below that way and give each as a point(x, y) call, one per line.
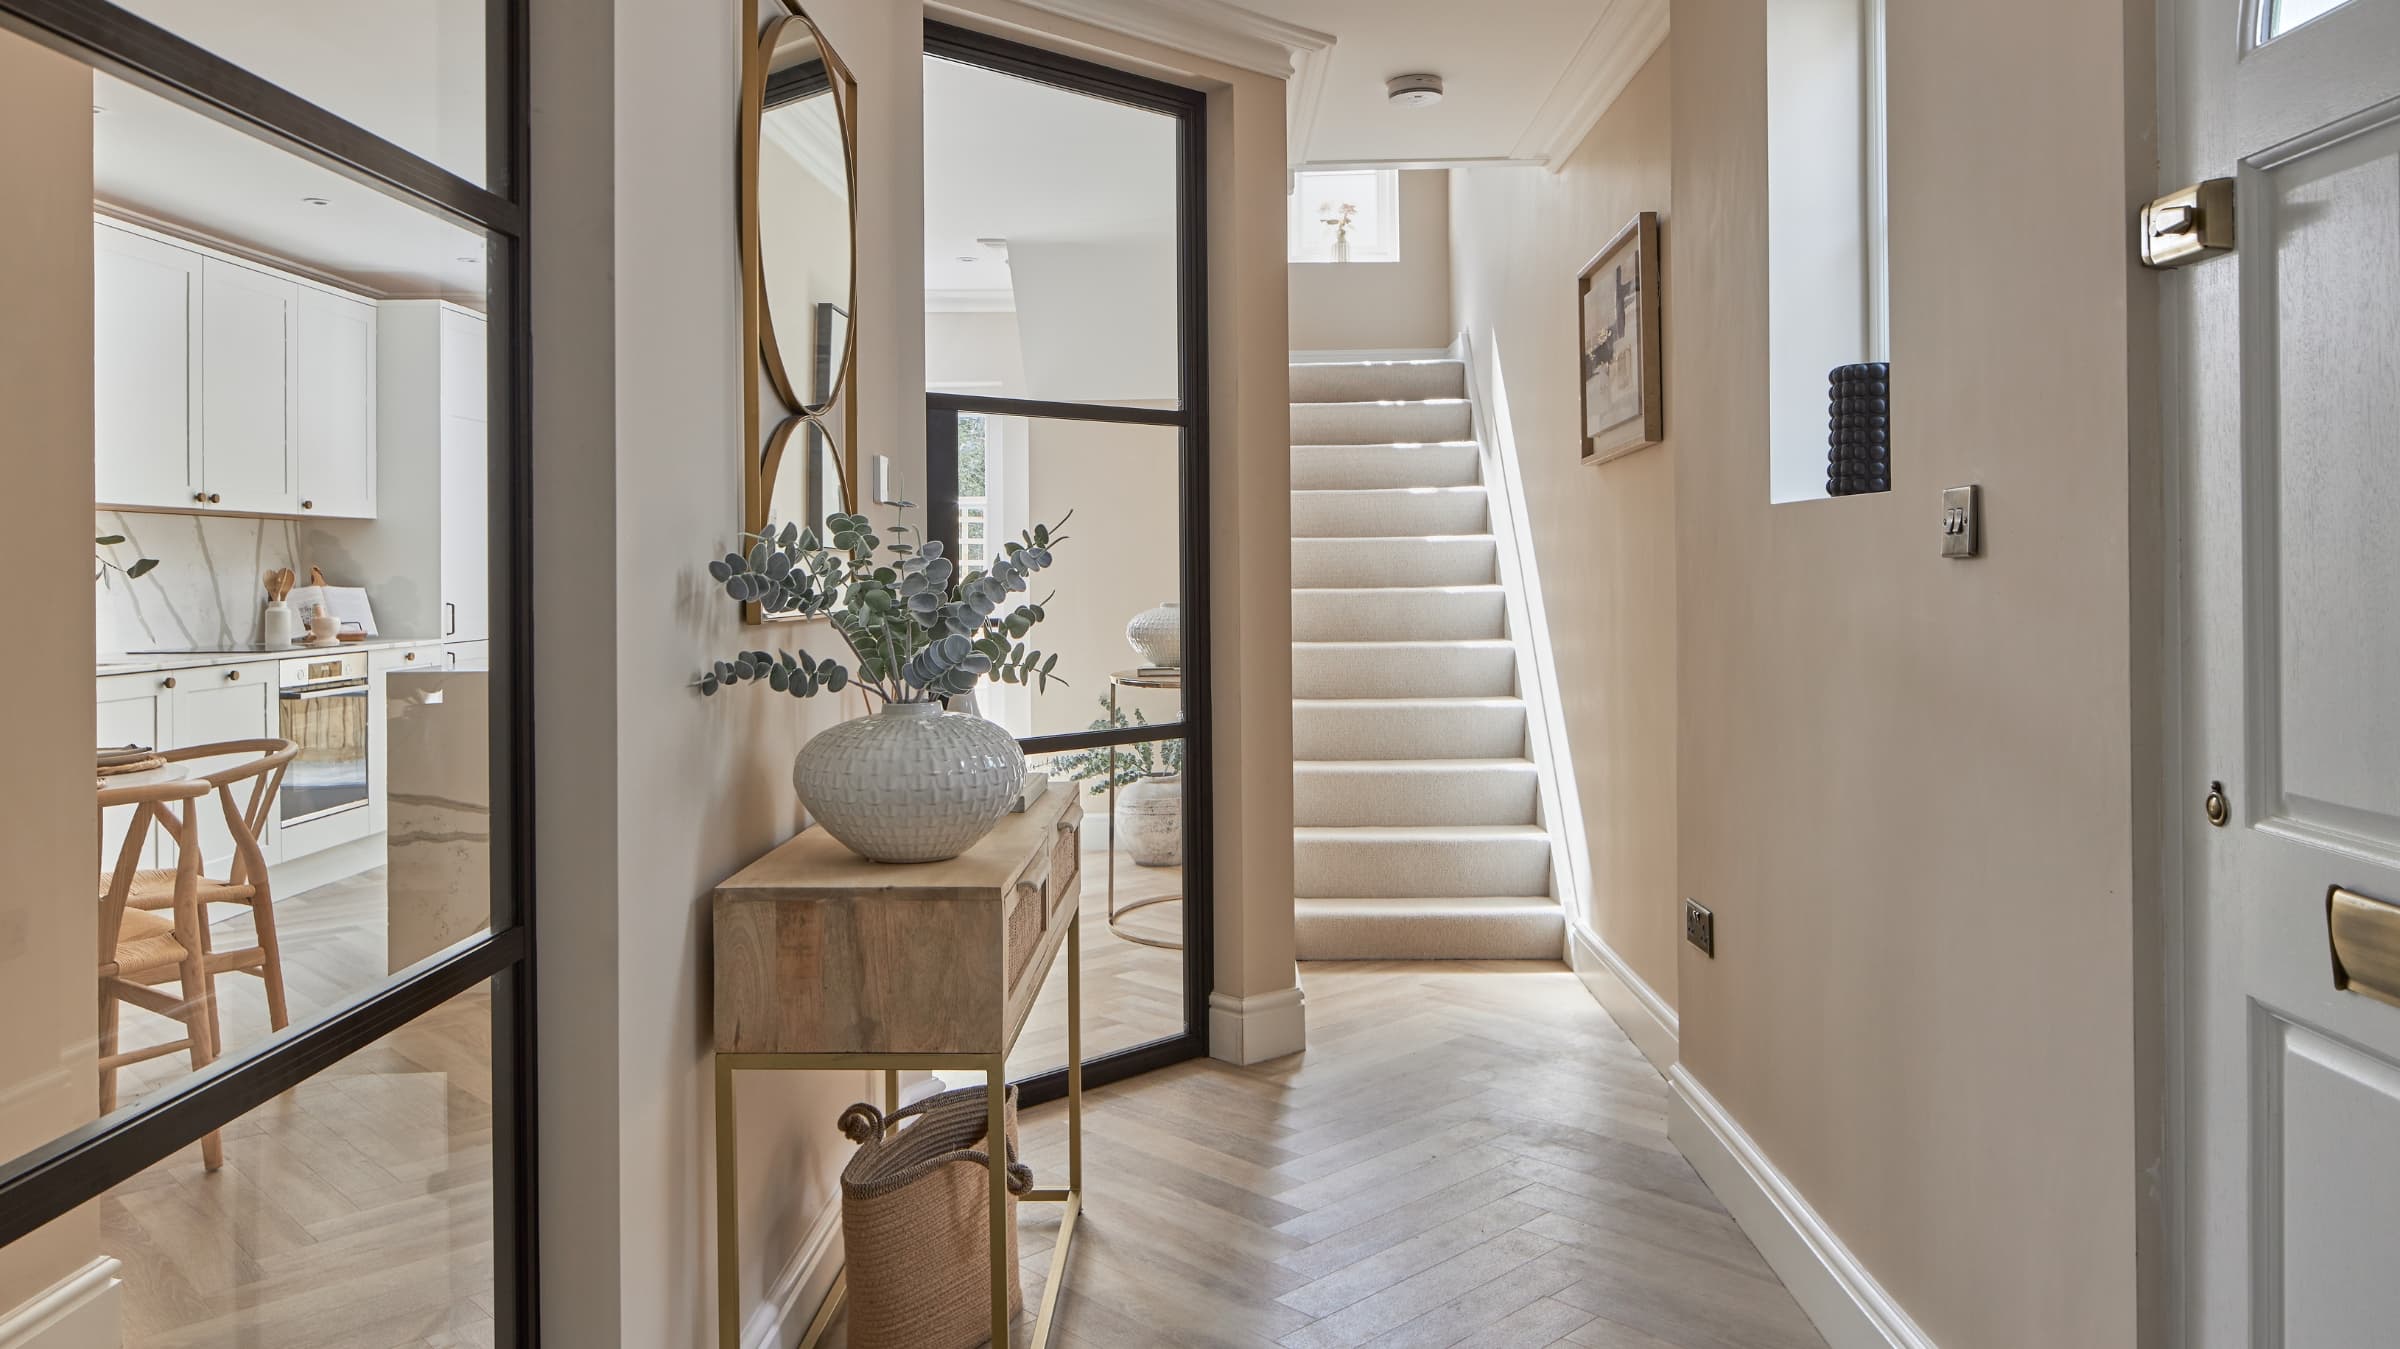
point(1257, 1028)
point(1644, 1016)
point(1851, 1310)
point(80, 1311)
point(780, 1321)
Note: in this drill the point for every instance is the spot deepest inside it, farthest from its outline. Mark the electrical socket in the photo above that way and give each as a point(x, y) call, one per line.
point(1700, 927)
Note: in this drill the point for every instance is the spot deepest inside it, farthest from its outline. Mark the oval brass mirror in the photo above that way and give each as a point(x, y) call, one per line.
point(803, 195)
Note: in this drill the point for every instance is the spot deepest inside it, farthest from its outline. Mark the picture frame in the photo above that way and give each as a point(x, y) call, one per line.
point(1620, 359)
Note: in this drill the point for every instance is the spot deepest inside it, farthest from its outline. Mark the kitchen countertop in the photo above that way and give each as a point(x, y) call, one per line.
point(200, 660)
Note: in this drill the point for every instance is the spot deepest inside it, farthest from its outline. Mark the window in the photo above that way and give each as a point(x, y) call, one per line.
point(1346, 215)
point(2278, 17)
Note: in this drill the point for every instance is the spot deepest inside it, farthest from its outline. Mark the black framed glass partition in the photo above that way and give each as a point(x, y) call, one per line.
point(294, 1089)
point(1066, 363)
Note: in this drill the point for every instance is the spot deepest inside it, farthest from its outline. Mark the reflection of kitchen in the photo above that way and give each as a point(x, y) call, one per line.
point(291, 396)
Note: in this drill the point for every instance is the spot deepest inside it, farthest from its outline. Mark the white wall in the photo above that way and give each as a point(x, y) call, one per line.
point(1372, 306)
point(1096, 318)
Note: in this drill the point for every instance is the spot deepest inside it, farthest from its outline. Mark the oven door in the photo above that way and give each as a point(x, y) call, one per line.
point(328, 721)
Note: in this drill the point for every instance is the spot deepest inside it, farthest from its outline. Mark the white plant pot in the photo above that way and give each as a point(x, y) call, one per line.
point(1150, 820)
point(1157, 635)
point(911, 783)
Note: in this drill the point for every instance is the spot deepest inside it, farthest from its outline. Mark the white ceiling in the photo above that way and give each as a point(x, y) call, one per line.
point(159, 160)
point(1006, 158)
point(1524, 79)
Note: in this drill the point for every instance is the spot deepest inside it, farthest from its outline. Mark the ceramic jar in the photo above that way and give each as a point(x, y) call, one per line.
point(1157, 635)
point(1150, 820)
point(911, 783)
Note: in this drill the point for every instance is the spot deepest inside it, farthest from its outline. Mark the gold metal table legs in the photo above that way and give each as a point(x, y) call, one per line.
point(994, 1067)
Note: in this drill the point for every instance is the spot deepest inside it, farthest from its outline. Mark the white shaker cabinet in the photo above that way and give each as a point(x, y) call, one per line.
point(334, 405)
point(215, 704)
point(135, 709)
point(145, 371)
point(249, 460)
point(466, 530)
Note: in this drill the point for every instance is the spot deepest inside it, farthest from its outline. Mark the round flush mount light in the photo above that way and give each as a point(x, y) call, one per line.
point(1413, 91)
point(316, 201)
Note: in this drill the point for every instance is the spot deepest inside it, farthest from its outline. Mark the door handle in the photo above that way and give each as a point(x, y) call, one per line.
point(449, 619)
point(2364, 934)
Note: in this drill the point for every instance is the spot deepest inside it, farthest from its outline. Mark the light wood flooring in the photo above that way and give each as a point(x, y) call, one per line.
point(1132, 994)
point(1467, 1154)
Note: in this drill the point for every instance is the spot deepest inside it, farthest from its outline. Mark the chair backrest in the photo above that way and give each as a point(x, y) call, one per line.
point(174, 805)
point(245, 818)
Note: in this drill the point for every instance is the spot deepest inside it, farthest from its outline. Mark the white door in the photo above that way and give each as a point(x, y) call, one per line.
point(247, 381)
point(213, 705)
point(333, 404)
point(145, 370)
point(2283, 408)
point(466, 529)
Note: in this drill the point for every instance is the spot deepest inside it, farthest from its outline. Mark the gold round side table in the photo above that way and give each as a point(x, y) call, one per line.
point(1133, 679)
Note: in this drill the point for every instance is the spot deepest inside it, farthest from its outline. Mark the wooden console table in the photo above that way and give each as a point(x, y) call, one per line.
point(827, 961)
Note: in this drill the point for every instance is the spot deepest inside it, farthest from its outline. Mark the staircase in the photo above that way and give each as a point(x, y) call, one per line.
point(1417, 827)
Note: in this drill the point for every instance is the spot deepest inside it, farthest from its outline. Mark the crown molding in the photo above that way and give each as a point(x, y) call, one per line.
point(818, 161)
point(1223, 32)
point(1303, 96)
point(1625, 35)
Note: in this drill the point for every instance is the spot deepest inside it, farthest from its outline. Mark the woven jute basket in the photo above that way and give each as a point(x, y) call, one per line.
point(916, 1219)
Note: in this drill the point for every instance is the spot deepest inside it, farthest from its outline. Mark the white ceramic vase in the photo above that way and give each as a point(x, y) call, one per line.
point(1157, 635)
point(911, 783)
point(1150, 820)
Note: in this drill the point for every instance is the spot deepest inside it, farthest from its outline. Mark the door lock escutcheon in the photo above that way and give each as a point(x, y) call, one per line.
point(2188, 225)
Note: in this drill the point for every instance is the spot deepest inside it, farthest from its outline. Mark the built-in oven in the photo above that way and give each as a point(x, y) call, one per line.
point(324, 712)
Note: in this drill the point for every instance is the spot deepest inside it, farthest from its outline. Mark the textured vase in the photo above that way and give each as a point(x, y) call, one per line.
point(1157, 635)
point(1150, 820)
point(911, 783)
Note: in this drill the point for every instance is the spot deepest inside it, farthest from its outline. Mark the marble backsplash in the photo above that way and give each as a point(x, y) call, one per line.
point(207, 587)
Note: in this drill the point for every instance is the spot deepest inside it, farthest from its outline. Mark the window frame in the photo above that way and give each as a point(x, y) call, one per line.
point(42, 1185)
point(1299, 217)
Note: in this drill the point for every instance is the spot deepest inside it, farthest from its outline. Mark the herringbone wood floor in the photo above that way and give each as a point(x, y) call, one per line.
point(1467, 1154)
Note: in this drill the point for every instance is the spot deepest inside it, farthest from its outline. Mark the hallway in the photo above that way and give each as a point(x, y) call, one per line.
point(1468, 1154)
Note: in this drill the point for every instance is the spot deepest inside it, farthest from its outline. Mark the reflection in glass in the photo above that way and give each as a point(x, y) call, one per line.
point(804, 217)
point(2285, 15)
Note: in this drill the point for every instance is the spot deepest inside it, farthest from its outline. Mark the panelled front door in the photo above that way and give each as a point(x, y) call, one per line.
point(2283, 372)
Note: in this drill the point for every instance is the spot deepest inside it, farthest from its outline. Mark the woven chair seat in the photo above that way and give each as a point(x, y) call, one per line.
point(155, 889)
point(145, 942)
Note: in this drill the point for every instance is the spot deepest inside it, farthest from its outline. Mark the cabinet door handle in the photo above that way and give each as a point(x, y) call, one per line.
point(232, 675)
point(200, 497)
point(167, 683)
point(213, 498)
point(308, 505)
point(449, 619)
point(410, 656)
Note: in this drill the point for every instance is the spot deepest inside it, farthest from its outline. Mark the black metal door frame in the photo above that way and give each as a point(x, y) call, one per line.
point(1189, 108)
point(44, 1184)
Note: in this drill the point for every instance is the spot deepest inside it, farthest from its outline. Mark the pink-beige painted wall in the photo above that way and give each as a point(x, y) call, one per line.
point(48, 1078)
point(1913, 789)
point(1376, 306)
point(1603, 535)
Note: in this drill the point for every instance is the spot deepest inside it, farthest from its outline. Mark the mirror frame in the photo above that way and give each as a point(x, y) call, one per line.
point(763, 448)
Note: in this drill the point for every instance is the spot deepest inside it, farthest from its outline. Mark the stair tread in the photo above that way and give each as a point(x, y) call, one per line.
point(1384, 445)
point(1377, 402)
point(1433, 901)
point(1478, 643)
point(1467, 588)
point(1451, 489)
point(1407, 765)
point(1421, 831)
point(1387, 704)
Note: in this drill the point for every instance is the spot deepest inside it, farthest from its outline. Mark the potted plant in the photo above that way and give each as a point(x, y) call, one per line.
point(1149, 782)
point(914, 782)
point(104, 614)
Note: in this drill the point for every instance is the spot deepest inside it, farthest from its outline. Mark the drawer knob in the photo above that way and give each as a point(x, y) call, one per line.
point(308, 505)
point(213, 498)
point(232, 675)
point(167, 683)
point(410, 656)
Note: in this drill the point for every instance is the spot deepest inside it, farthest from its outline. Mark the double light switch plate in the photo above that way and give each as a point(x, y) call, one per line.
point(1962, 521)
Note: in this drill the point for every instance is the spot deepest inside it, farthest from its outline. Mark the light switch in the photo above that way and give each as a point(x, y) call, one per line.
point(1962, 521)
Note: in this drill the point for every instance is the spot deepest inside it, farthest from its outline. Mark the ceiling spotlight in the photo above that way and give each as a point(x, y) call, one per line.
point(316, 201)
point(968, 257)
point(464, 258)
point(1413, 91)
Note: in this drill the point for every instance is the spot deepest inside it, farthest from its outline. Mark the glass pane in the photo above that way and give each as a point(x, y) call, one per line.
point(411, 73)
point(1116, 576)
point(1345, 215)
point(355, 1209)
point(1050, 231)
point(1132, 868)
point(261, 397)
point(2285, 15)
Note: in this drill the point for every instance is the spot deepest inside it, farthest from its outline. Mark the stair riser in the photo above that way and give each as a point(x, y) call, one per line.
point(1384, 466)
point(1403, 868)
point(1324, 931)
point(1329, 796)
point(1379, 423)
point(1366, 383)
point(1375, 670)
point(1468, 731)
point(1390, 513)
point(1395, 615)
point(1394, 562)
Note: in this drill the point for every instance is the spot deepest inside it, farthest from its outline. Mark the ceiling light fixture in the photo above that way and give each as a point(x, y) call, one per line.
point(316, 201)
point(968, 257)
point(1413, 91)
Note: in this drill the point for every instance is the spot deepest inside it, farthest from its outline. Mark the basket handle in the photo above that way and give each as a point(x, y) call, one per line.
point(863, 1123)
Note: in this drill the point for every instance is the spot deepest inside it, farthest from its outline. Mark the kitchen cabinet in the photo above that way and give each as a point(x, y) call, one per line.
point(334, 405)
point(225, 385)
point(466, 530)
point(248, 460)
point(380, 665)
point(465, 367)
point(145, 370)
point(135, 709)
point(429, 558)
point(215, 704)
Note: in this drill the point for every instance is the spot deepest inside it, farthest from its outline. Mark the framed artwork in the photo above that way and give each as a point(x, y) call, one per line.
point(1617, 302)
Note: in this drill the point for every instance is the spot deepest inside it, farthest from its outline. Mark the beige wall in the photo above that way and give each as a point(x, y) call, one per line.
point(48, 1082)
point(1906, 784)
point(1122, 557)
point(1374, 306)
point(1603, 536)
